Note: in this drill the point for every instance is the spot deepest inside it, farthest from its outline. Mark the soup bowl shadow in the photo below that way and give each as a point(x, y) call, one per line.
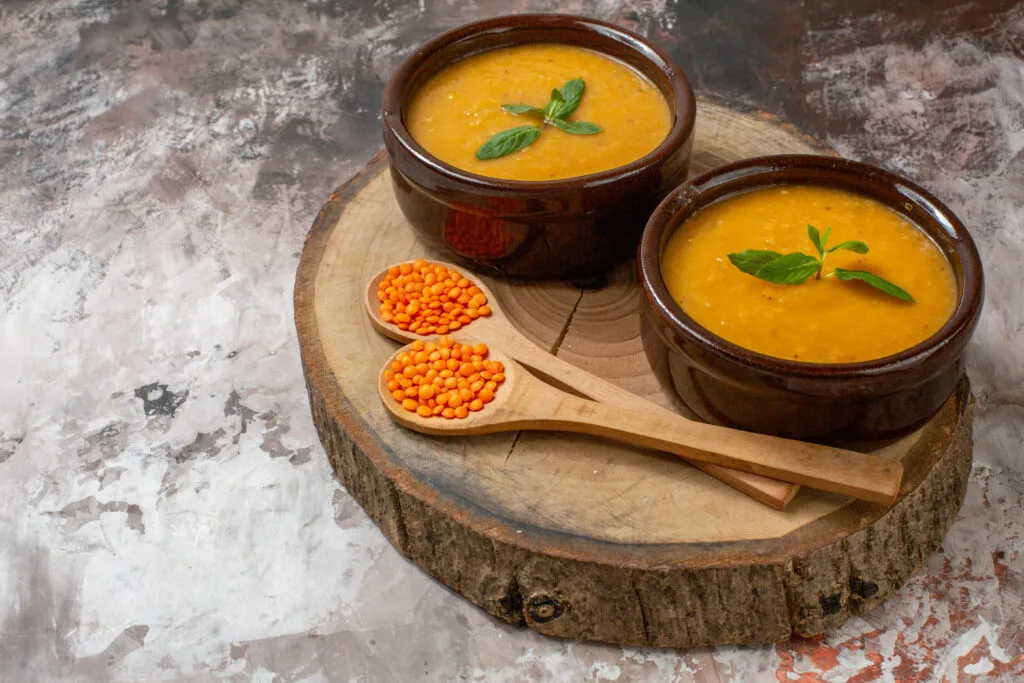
point(574, 227)
point(853, 402)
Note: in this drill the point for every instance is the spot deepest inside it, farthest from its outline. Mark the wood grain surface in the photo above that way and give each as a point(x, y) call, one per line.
point(576, 536)
point(498, 331)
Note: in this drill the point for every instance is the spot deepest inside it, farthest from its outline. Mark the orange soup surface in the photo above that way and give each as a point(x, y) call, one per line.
point(822, 320)
point(459, 109)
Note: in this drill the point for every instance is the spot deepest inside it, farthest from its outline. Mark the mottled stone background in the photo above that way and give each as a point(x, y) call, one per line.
point(166, 512)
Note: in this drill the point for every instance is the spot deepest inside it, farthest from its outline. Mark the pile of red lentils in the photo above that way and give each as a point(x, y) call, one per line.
point(426, 298)
point(444, 378)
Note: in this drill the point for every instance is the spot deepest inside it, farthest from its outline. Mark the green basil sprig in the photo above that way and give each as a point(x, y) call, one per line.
point(563, 103)
point(797, 268)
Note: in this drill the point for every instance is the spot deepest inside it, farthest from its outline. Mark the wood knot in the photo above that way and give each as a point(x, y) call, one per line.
point(831, 604)
point(862, 589)
point(542, 609)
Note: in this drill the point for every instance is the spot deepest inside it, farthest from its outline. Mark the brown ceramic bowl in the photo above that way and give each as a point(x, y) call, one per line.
point(565, 228)
point(866, 401)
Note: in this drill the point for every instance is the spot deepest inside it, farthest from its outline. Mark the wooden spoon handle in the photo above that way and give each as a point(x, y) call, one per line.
point(770, 492)
point(862, 476)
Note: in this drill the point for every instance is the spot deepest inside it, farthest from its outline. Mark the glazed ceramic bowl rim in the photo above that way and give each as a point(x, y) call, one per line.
point(682, 99)
point(684, 201)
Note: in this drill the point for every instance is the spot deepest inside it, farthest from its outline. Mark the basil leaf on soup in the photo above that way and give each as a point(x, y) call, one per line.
point(508, 142)
point(853, 245)
point(522, 109)
point(875, 281)
point(815, 236)
point(563, 102)
point(577, 127)
point(796, 268)
point(791, 269)
point(571, 94)
point(751, 260)
point(555, 105)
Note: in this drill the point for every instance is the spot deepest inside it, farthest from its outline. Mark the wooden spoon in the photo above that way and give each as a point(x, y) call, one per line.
point(498, 332)
point(524, 402)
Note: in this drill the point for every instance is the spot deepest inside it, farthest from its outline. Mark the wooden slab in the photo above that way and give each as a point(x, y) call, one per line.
point(575, 536)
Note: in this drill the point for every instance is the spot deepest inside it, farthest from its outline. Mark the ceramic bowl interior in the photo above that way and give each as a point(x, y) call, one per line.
point(510, 31)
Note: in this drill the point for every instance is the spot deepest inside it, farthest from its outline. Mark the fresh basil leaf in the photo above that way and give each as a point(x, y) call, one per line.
point(554, 105)
point(875, 281)
point(824, 238)
point(522, 109)
point(853, 245)
point(791, 269)
point(751, 260)
point(577, 127)
point(571, 94)
point(507, 142)
point(815, 236)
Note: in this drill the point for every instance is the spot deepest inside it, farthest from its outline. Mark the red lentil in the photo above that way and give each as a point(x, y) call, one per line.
point(426, 298)
point(451, 393)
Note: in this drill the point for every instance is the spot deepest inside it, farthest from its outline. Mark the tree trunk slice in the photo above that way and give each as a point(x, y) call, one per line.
point(575, 536)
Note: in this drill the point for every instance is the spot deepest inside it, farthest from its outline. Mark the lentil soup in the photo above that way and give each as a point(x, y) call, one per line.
point(459, 109)
point(819, 321)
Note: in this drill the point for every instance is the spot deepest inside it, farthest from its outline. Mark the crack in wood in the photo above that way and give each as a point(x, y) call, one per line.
point(512, 447)
point(641, 607)
point(565, 328)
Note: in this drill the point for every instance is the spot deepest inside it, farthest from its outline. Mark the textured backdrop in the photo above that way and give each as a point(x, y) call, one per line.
point(166, 512)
